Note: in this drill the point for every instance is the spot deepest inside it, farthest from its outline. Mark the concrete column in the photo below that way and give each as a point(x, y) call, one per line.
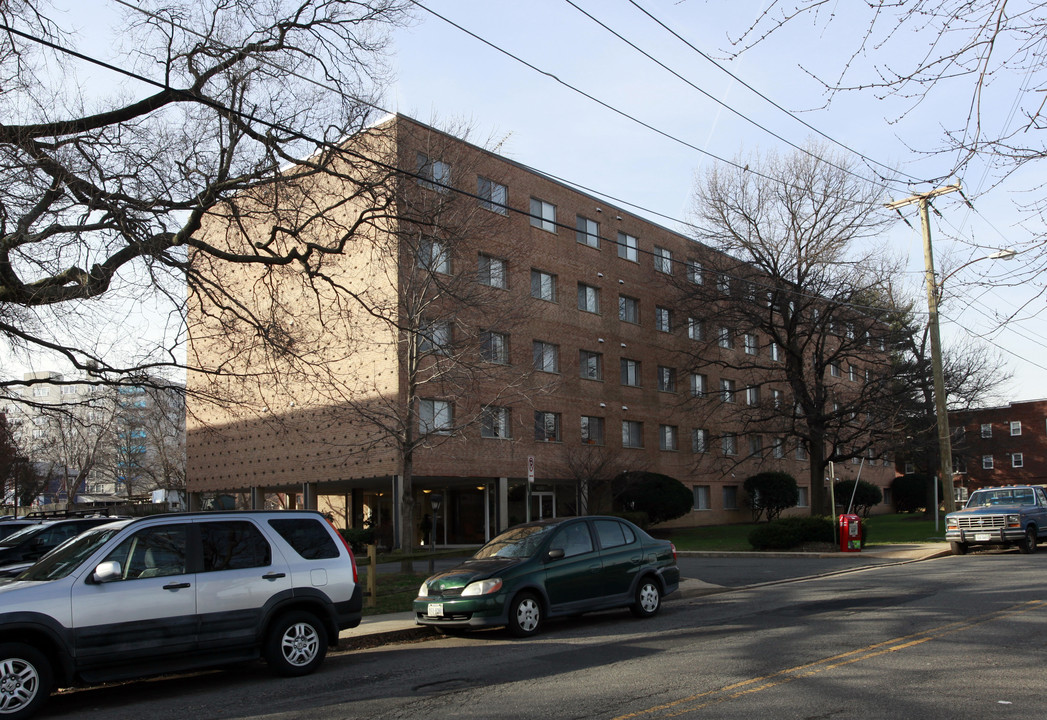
point(398, 492)
point(194, 501)
point(257, 498)
point(502, 503)
point(309, 500)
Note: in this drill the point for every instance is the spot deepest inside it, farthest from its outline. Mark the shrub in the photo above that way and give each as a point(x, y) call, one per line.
point(660, 496)
point(865, 496)
point(358, 539)
point(910, 492)
point(770, 493)
point(789, 533)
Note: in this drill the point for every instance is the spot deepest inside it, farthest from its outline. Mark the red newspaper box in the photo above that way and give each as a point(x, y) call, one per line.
point(850, 533)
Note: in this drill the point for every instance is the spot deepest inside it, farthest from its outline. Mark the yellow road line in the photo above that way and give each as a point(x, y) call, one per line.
point(781, 677)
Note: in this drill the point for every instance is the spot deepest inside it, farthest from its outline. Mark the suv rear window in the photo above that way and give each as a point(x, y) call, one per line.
point(308, 537)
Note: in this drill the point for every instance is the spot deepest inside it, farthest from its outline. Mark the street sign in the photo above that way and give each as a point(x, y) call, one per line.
point(530, 469)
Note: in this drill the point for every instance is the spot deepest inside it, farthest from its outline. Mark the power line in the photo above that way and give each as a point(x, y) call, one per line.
point(764, 97)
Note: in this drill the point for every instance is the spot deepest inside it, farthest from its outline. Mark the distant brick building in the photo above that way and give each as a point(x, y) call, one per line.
point(1000, 445)
point(597, 346)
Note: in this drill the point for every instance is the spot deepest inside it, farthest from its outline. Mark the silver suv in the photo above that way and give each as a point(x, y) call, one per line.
point(172, 593)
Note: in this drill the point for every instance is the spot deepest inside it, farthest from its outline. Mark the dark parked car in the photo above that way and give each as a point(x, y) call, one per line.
point(34, 541)
point(9, 526)
point(1014, 515)
point(551, 568)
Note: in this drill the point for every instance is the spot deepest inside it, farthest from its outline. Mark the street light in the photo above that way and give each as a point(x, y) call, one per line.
point(934, 289)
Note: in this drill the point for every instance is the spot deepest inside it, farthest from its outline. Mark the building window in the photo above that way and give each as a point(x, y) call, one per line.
point(752, 346)
point(724, 338)
point(667, 437)
point(727, 389)
point(1016, 428)
point(802, 501)
point(433, 256)
point(666, 379)
point(1017, 460)
point(494, 347)
point(801, 451)
point(632, 434)
point(663, 319)
point(701, 497)
point(723, 283)
point(587, 232)
point(834, 369)
point(41, 391)
point(591, 365)
point(492, 271)
point(630, 372)
point(628, 247)
point(730, 444)
point(910, 468)
point(546, 426)
point(778, 447)
point(588, 298)
point(628, 309)
point(663, 260)
point(776, 352)
point(69, 389)
point(494, 423)
point(730, 497)
point(756, 445)
point(433, 174)
point(592, 430)
point(752, 395)
point(852, 373)
point(694, 272)
point(699, 385)
point(546, 357)
point(699, 441)
point(543, 215)
point(493, 196)
point(434, 416)
point(777, 399)
point(986, 430)
point(694, 329)
point(987, 462)
point(434, 337)
point(543, 285)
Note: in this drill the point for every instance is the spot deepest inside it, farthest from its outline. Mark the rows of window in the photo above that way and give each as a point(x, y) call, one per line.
point(729, 495)
point(1017, 461)
point(1014, 425)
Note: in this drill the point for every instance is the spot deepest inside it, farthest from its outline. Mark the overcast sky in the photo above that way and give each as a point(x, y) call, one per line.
point(643, 133)
point(446, 76)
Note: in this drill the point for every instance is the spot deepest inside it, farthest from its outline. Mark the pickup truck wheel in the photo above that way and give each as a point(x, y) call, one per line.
point(25, 680)
point(1028, 545)
point(958, 548)
point(296, 644)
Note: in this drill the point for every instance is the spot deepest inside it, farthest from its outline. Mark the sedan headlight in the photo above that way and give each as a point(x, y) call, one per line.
point(482, 587)
point(424, 590)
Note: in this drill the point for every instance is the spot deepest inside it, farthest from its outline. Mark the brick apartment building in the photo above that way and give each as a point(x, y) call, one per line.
point(581, 340)
point(1004, 445)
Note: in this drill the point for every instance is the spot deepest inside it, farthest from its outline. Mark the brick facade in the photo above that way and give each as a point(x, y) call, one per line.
point(1004, 445)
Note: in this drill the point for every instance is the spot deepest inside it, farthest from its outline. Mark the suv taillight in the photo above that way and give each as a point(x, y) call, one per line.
point(348, 549)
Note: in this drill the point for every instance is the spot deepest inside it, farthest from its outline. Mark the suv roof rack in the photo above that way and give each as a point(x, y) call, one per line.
point(57, 514)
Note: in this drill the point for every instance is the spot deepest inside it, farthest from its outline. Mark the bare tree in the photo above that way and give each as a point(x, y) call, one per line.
point(232, 109)
point(595, 468)
point(790, 308)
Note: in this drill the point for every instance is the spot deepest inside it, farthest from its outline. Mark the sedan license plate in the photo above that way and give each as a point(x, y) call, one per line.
point(435, 610)
point(978, 537)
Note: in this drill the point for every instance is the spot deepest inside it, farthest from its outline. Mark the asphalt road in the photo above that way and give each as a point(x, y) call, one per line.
point(954, 637)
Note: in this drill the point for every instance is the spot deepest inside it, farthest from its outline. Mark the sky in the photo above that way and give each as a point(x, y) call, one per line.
point(581, 104)
point(647, 128)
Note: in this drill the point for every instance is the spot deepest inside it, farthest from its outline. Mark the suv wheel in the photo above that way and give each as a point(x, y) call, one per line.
point(296, 645)
point(25, 680)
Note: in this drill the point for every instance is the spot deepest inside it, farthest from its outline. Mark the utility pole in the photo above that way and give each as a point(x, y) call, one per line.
point(941, 409)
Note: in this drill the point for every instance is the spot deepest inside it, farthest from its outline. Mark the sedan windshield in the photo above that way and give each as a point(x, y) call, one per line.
point(519, 542)
point(67, 557)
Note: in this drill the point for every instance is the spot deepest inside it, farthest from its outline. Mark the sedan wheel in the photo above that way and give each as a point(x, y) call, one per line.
point(25, 680)
point(525, 615)
point(648, 599)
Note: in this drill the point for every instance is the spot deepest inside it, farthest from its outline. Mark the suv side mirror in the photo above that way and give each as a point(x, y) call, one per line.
point(106, 572)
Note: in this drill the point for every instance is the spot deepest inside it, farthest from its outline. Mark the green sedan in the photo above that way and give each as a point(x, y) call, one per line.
point(551, 568)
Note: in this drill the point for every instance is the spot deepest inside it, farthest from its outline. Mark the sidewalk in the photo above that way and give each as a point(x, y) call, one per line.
point(377, 630)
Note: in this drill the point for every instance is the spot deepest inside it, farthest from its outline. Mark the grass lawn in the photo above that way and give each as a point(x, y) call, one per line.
point(882, 530)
